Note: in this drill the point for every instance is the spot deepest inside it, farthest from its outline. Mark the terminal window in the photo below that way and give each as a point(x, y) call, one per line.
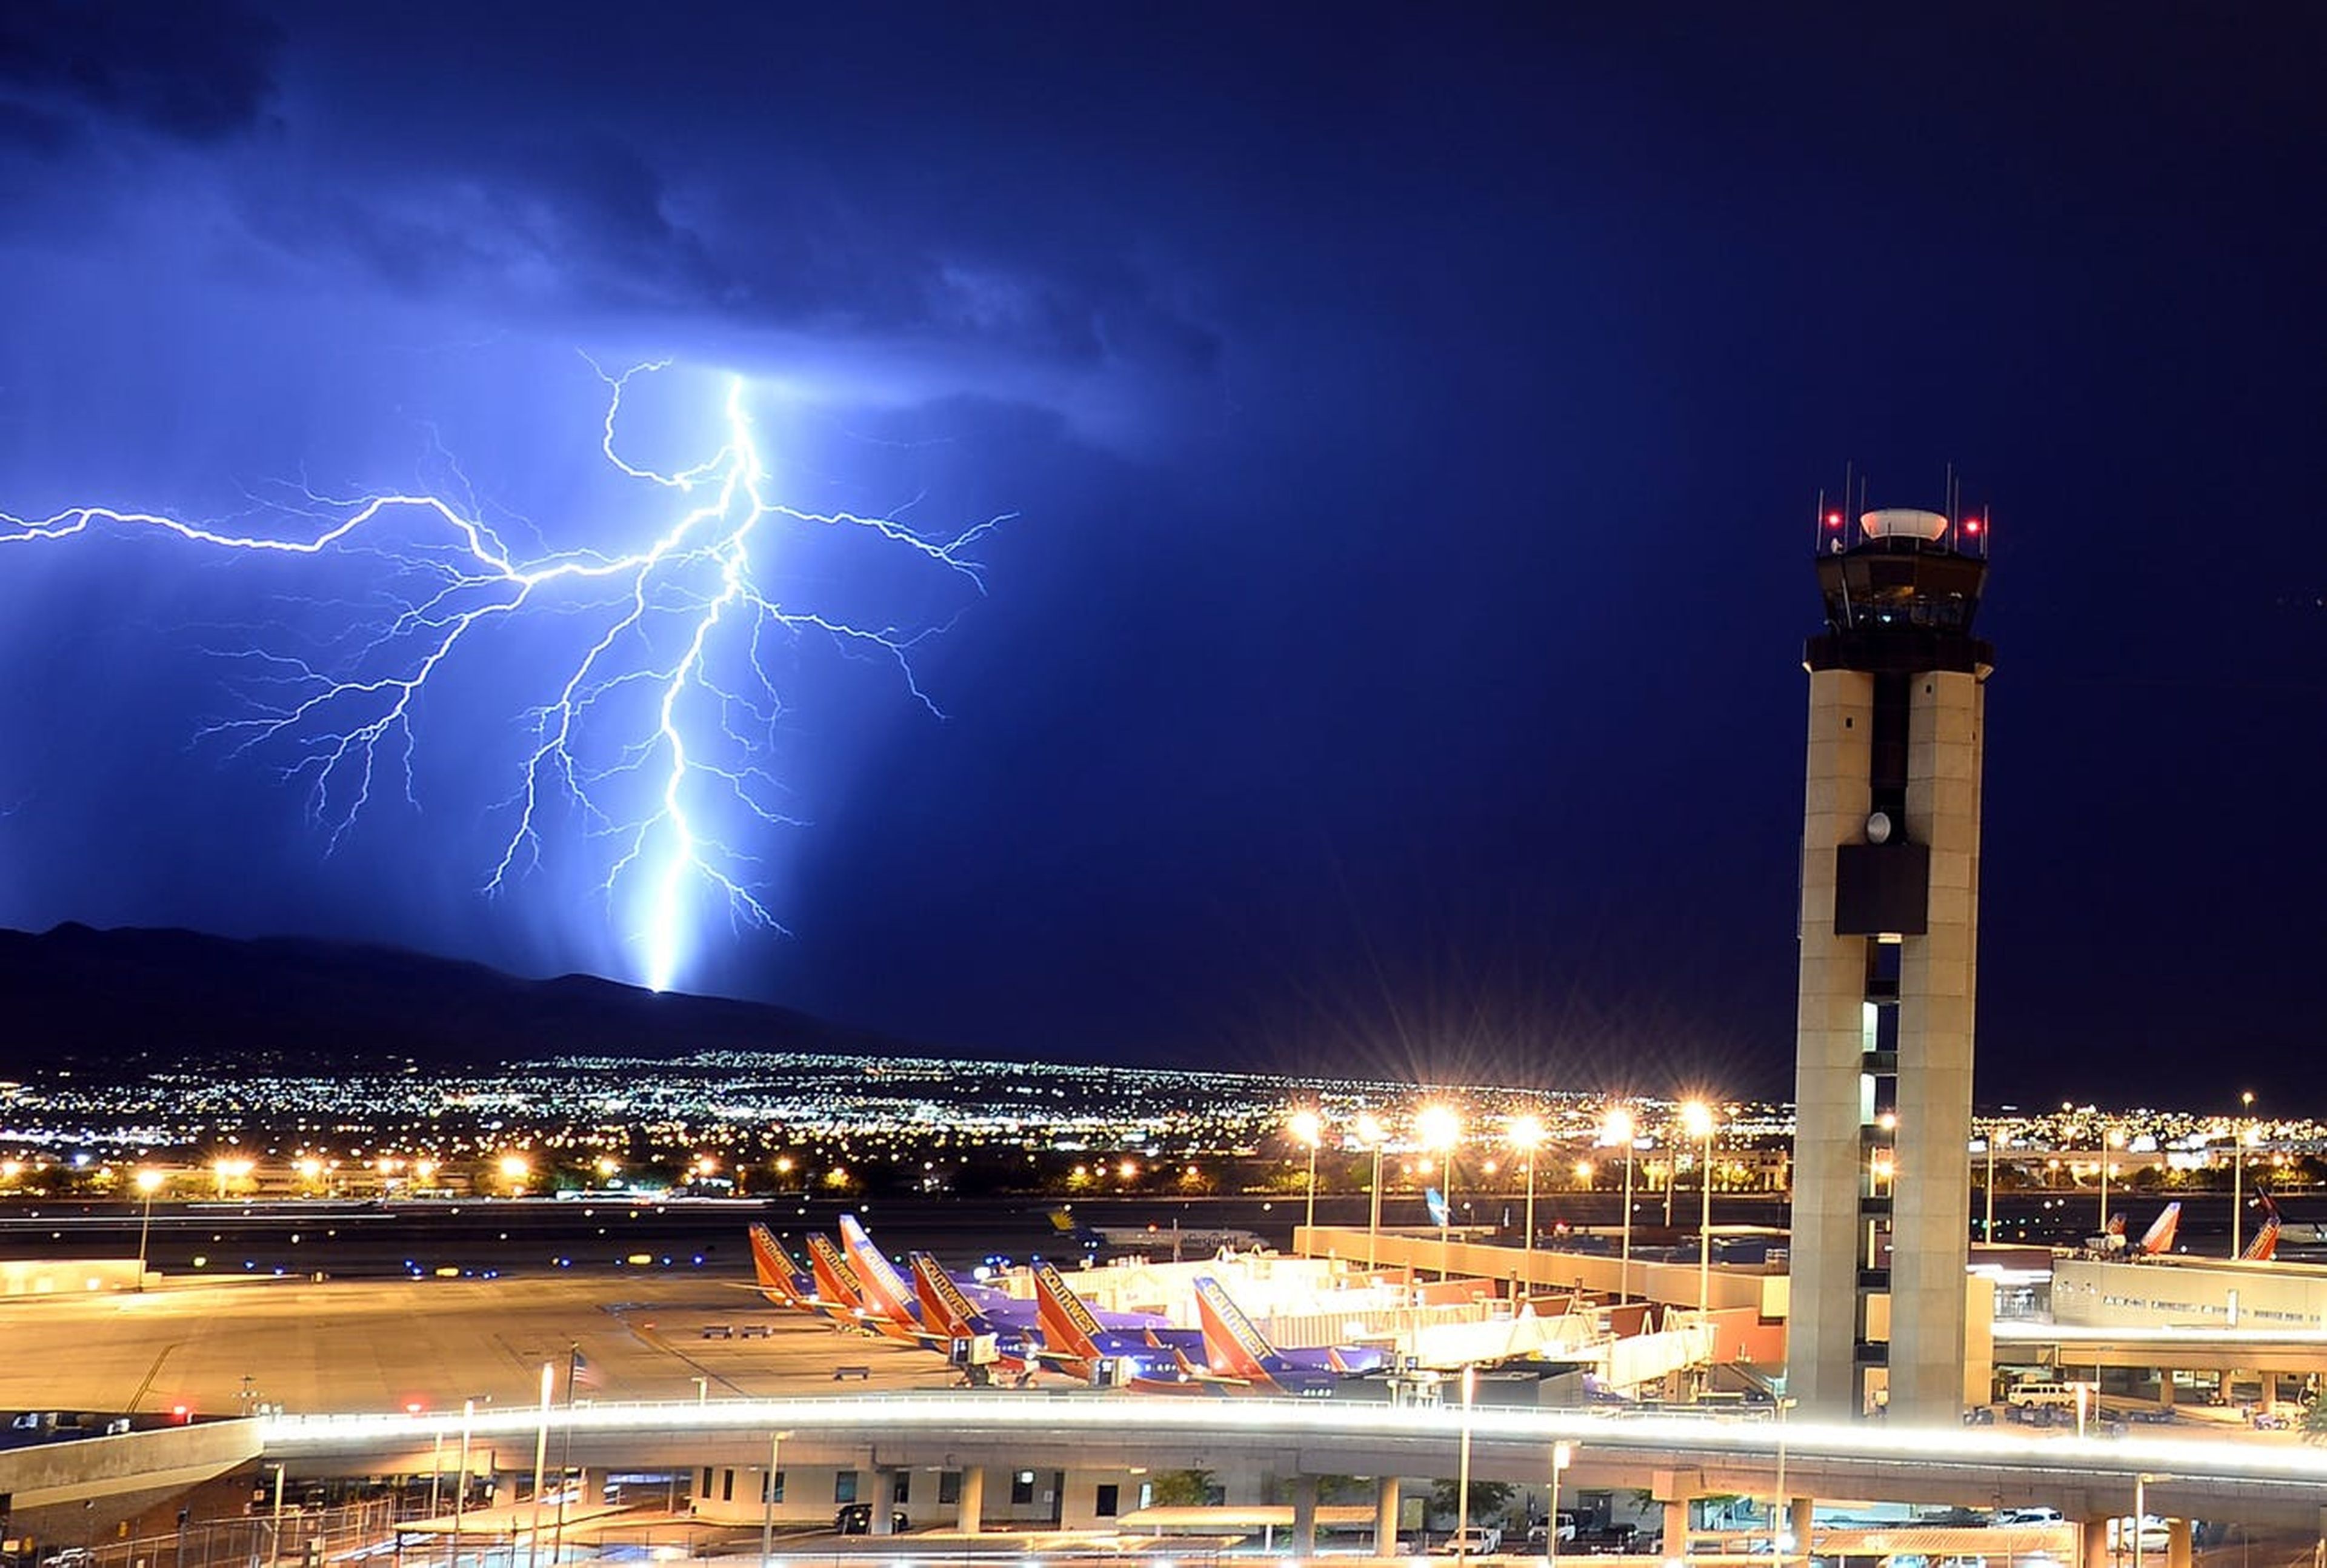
point(1108, 1503)
point(844, 1486)
point(948, 1486)
point(1022, 1488)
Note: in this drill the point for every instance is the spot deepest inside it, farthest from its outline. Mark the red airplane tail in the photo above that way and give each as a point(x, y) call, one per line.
point(779, 1277)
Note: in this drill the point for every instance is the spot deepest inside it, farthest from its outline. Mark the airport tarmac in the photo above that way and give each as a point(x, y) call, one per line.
point(220, 1348)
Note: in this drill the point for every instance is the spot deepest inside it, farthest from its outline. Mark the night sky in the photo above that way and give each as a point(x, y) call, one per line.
point(1409, 421)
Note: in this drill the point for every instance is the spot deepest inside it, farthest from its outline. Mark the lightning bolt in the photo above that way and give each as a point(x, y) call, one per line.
point(656, 732)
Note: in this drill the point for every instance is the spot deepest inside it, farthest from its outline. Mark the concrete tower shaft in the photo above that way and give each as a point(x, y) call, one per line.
point(1889, 924)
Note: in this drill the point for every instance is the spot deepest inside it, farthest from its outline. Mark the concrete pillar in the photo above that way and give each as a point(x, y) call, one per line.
point(1801, 1512)
point(1937, 972)
point(2177, 1544)
point(884, 1500)
point(2092, 1543)
point(1304, 1518)
point(973, 1501)
point(1385, 1516)
point(1674, 1546)
point(1829, 1045)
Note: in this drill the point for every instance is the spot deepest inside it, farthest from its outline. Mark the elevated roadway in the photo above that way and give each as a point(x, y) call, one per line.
point(2280, 1484)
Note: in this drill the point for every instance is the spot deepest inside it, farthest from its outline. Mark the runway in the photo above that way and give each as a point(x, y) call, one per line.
point(231, 1347)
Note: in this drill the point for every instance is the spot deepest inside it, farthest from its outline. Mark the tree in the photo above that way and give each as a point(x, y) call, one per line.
point(1182, 1489)
point(1489, 1500)
point(2313, 1421)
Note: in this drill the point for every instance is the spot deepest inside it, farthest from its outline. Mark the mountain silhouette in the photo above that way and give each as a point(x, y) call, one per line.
point(94, 999)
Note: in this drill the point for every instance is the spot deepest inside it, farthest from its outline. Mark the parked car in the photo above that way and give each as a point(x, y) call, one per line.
point(1609, 1541)
point(856, 1520)
point(1472, 1541)
point(2040, 1392)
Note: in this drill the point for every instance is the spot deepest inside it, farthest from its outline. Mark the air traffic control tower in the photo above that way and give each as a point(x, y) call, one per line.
point(1889, 920)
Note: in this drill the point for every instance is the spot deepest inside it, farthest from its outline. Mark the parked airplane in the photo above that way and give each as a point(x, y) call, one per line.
point(783, 1281)
point(1236, 1348)
point(838, 1286)
point(888, 1300)
point(2264, 1244)
point(1206, 1240)
point(2159, 1237)
point(946, 1308)
point(1068, 1326)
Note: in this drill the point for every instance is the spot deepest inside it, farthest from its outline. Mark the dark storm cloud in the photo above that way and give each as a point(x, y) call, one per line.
point(198, 70)
point(1411, 410)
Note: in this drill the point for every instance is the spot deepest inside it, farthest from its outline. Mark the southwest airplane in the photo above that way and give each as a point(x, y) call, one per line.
point(1235, 1348)
point(1157, 1351)
point(946, 1307)
point(783, 1281)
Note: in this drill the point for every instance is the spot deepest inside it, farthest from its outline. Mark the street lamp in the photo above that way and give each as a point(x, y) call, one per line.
point(2238, 1169)
point(1697, 1119)
point(1463, 1467)
point(149, 1182)
point(767, 1499)
point(1309, 1127)
point(2141, 1500)
point(2113, 1138)
point(1563, 1455)
point(1620, 1128)
point(1526, 1136)
point(1987, 1225)
point(1371, 1132)
point(1781, 1507)
point(1439, 1127)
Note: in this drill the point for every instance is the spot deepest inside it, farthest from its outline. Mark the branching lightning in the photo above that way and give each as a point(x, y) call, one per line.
point(656, 732)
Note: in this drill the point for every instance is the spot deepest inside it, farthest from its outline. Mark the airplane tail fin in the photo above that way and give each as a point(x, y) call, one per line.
point(943, 1306)
point(2264, 1244)
point(2159, 1236)
point(2116, 1224)
point(1231, 1341)
point(835, 1280)
point(1064, 1321)
point(883, 1288)
point(778, 1275)
point(1436, 1202)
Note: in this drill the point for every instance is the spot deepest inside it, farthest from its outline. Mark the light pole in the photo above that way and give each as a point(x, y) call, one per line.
point(1526, 1136)
point(1696, 1117)
point(1439, 1128)
point(1620, 1128)
point(1463, 1467)
point(540, 1463)
point(768, 1502)
point(2141, 1505)
point(2111, 1138)
point(460, 1493)
point(2238, 1169)
point(1309, 1127)
point(1563, 1455)
point(149, 1182)
point(1371, 1131)
point(1781, 1507)
point(1988, 1223)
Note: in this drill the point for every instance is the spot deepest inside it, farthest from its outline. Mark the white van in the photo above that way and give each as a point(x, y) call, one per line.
point(2024, 1394)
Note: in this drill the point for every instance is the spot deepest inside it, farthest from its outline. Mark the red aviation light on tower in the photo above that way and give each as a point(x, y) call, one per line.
point(1833, 519)
point(1971, 527)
